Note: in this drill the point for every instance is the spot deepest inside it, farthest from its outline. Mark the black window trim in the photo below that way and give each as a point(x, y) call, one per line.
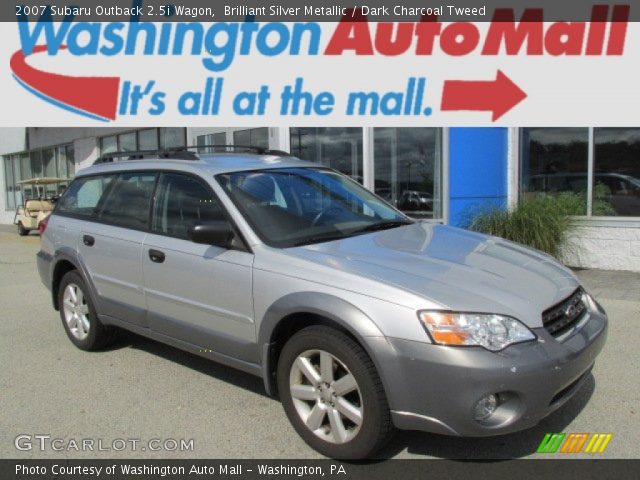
point(157, 173)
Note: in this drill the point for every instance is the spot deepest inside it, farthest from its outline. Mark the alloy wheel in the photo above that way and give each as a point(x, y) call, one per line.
point(326, 396)
point(76, 311)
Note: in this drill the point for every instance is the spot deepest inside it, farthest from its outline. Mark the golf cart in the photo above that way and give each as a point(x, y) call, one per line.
point(40, 196)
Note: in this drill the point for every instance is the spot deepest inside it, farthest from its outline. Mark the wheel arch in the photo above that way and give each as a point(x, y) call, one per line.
point(64, 261)
point(299, 310)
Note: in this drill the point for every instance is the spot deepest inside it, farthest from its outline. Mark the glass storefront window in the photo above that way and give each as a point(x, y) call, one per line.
point(172, 137)
point(148, 139)
point(49, 161)
point(36, 164)
point(254, 137)
point(28, 191)
point(9, 182)
point(616, 172)
point(408, 169)
point(127, 142)
point(62, 162)
point(17, 188)
point(555, 160)
point(109, 144)
point(66, 168)
point(338, 148)
point(205, 142)
point(71, 163)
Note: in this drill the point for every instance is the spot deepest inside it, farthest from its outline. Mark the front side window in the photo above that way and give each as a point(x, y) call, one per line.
point(127, 204)
point(181, 202)
point(297, 206)
point(83, 196)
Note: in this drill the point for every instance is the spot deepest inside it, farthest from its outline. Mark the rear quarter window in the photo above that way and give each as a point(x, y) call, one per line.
point(83, 197)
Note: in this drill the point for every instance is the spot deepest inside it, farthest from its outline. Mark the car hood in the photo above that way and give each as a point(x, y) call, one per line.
point(455, 268)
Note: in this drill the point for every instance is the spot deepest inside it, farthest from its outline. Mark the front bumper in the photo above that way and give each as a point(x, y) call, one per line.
point(434, 388)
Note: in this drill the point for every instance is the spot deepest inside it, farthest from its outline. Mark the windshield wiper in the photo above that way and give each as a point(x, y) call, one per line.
point(385, 225)
point(319, 239)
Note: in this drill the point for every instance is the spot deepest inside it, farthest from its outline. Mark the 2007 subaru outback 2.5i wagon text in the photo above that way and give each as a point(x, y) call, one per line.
point(360, 318)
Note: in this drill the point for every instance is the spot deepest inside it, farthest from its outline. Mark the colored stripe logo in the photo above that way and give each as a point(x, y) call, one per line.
point(93, 97)
point(574, 443)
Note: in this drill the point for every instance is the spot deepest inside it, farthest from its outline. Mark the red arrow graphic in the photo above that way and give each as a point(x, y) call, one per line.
point(498, 96)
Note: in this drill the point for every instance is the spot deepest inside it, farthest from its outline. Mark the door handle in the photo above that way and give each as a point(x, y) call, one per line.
point(88, 240)
point(156, 256)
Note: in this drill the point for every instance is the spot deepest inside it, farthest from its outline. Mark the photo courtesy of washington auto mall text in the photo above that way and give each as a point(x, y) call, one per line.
point(339, 240)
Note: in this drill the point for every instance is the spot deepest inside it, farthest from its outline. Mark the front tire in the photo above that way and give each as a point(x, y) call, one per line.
point(79, 316)
point(332, 394)
point(21, 230)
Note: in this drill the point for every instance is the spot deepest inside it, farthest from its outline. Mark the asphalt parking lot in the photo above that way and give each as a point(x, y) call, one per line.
point(139, 389)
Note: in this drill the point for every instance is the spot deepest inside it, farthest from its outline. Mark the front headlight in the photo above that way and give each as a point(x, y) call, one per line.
point(493, 332)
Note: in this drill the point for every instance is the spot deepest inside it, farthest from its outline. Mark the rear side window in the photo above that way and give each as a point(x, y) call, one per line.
point(181, 202)
point(128, 202)
point(82, 198)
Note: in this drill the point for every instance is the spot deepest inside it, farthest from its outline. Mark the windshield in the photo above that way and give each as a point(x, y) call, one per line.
point(297, 206)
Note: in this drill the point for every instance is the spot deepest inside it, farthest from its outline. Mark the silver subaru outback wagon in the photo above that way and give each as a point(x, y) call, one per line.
point(359, 318)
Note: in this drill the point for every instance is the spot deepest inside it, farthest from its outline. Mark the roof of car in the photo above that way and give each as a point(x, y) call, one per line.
point(211, 162)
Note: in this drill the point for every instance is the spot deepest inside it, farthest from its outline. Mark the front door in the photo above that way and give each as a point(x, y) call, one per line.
point(200, 294)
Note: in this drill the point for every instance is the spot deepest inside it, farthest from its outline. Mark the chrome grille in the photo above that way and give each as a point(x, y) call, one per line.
point(561, 317)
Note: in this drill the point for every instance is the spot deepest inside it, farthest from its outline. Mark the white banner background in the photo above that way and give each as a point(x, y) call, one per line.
point(562, 91)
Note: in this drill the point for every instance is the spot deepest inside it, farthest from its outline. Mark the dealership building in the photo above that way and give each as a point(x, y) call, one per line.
point(443, 175)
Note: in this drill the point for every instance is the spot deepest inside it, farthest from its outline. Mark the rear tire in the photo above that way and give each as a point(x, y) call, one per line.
point(21, 230)
point(332, 394)
point(79, 317)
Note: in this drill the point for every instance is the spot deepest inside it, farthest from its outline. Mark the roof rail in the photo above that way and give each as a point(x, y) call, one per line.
point(230, 148)
point(185, 153)
point(172, 153)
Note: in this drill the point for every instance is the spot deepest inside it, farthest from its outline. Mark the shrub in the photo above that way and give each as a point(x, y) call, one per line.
point(541, 221)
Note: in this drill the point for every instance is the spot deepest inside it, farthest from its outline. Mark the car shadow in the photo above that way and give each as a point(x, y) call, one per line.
point(503, 447)
point(221, 372)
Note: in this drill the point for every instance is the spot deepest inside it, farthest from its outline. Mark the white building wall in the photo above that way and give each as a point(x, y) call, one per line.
point(5, 216)
point(86, 151)
point(48, 137)
point(11, 140)
point(607, 247)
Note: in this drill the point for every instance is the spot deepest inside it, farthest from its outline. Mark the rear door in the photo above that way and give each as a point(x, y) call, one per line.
point(111, 246)
point(200, 294)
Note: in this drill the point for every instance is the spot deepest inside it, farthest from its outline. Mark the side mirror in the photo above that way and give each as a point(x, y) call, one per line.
point(218, 233)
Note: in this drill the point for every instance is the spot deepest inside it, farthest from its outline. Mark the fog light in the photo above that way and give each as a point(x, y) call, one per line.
point(485, 407)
